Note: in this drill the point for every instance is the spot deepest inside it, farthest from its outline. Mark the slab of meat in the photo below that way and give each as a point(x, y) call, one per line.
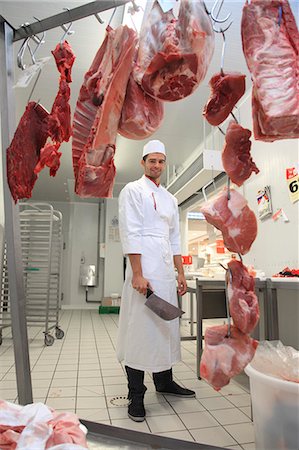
point(243, 303)
point(234, 219)
point(64, 58)
point(270, 41)
point(59, 121)
point(174, 54)
point(227, 89)
point(24, 150)
point(236, 157)
point(98, 112)
point(141, 114)
point(224, 357)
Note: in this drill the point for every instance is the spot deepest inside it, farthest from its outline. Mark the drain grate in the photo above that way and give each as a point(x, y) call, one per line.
point(120, 400)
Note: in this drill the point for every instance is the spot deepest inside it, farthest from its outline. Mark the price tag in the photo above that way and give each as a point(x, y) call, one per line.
point(293, 183)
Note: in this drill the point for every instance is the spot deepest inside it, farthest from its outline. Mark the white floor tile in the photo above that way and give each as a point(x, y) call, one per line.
point(240, 400)
point(129, 424)
point(114, 380)
point(63, 382)
point(206, 392)
point(213, 436)
point(90, 391)
point(232, 389)
point(199, 419)
point(230, 416)
point(98, 402)
point(58, 392)
point(249, 446)
point(158, 409)
point(95, 381)
point(183, 434)
point(187, 405)
point(66, 403)
point(152, 397)
point(215, 403)
point(246, 410)
point(115, 389)
point(89, 373)
point(159, 424)
point(94, 415)
point(243, 433)
point(65, 375)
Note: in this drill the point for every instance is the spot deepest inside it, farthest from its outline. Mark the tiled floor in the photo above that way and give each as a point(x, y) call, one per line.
point(80, 373)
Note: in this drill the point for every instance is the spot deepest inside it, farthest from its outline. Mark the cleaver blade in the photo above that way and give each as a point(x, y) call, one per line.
point(163, 309)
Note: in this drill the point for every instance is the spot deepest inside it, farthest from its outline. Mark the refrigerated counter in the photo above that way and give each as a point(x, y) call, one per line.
point(105, 437)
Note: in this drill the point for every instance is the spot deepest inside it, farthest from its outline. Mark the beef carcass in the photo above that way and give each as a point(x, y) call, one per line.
point(243, 303)
point(24, 150)
point(174, 54)
point(271, 47)
point(236, 158)
point(98, 112)
point(141, 114)
point(227, 89)
point(224, 357)
point(233, 218)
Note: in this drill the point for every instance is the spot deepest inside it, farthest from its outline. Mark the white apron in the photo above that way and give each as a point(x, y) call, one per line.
point(149, 225)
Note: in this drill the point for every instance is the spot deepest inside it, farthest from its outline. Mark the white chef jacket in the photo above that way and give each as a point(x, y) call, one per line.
point(149, 225)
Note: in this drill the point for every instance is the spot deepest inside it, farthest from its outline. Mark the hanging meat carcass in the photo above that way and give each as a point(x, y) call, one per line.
point(174, 54)
point(59, 120)
point(225, 356)
point(141, 114)
point(24, 151)
point(243, 303)
point(98, 112)
point(270, 41)
point(227, 89)
point(236, 157)
point(28, 152)
point(233, 218)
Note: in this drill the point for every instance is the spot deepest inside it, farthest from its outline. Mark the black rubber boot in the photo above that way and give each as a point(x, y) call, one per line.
point(136, 393)
point(165, 385)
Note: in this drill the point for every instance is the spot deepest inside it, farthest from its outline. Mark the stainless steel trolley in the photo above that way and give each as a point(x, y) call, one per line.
point(41, 242)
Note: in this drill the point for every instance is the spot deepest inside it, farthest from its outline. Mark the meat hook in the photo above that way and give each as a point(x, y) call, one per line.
point(214, 17)
point(67, 29)
point(205, 187)
point(39, 41)
point(99, 19)
point(228, 188)
point(228, 279)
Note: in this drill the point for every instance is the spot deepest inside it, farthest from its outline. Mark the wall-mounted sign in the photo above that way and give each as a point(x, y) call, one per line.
point(293, 183)
point(264, 204)
point(187, 259)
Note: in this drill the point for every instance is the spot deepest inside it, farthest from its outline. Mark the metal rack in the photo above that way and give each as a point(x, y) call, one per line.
point(5, 319)
point(41, 244)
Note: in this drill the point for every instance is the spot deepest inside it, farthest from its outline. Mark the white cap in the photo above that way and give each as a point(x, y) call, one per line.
point(154, 146)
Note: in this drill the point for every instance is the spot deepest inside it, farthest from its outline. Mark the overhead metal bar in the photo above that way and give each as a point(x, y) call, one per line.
point(12, 222)
point(65, 17)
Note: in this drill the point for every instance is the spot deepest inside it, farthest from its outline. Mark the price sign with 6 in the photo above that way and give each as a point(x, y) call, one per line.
point(293, 183)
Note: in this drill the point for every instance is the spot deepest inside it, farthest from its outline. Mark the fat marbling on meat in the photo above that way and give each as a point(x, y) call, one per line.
point(236, 157)
point(233, 218)
point(270, 41)
point(174, 53)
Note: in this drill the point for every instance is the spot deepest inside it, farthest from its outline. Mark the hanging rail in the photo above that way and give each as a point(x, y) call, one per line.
point(60, 19)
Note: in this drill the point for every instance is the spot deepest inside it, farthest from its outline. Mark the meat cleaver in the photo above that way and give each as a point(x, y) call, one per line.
point(163, 309)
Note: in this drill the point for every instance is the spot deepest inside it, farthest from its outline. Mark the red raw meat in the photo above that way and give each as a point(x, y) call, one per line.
point(24, 150)
point(234, 219)
point(236, 158)
point(64, 58)
point(271, 49)
point(227, 89)
point(243, 303)
point(59, 121)
point(224, 357)
point(98, 113)
point(50, 157)
point(174, 54)
point(141, 114)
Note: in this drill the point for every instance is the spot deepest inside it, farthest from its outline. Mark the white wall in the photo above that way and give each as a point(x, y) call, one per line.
point(113, 278)
point(277, 242)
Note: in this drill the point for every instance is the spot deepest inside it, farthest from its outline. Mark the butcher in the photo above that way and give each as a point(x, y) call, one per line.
point(149, 232)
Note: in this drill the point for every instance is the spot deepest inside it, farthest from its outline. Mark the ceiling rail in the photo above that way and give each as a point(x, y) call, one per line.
point(60, 19)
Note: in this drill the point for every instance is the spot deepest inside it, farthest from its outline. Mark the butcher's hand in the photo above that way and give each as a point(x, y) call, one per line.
point(182, 285)
point(140, 284)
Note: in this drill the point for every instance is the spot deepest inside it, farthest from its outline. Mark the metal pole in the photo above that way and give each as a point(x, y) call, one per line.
point(12, 223)
point(68, 16)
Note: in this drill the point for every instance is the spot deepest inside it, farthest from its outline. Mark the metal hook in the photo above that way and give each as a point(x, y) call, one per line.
point(205, 187)
point(228, 188)
point(21, 53)
point(99, 19)
point(39, 41)
point(67, 29)
point(215, 17)
point(112, 15)
point(228, 279)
